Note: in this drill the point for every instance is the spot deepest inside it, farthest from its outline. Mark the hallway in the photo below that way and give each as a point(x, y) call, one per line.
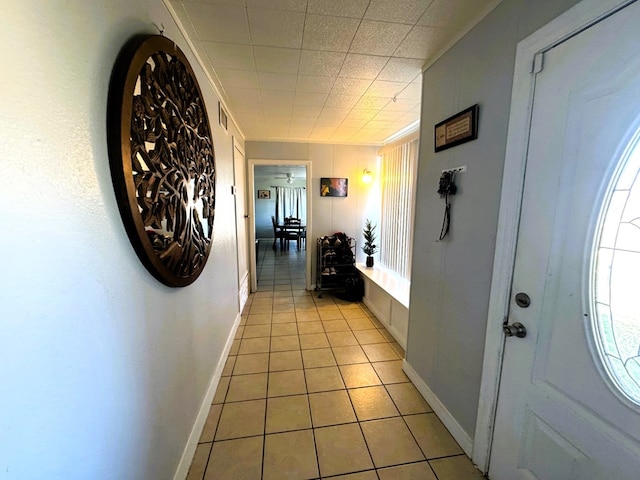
point(313, 388)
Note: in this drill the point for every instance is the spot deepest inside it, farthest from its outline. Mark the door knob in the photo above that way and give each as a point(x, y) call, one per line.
point(514, 330)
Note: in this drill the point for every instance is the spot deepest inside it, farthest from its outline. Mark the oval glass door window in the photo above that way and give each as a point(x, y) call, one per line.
point(616, 277)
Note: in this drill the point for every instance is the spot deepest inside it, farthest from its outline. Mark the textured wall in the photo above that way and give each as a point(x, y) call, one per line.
point(103, 368)
point(451, 279)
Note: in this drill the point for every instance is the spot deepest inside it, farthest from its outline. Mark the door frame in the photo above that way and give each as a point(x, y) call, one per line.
point(252, 163)
point(243, 283)
point(528, 63)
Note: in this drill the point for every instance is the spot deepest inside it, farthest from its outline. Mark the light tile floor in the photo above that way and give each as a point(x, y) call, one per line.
point(313, 388)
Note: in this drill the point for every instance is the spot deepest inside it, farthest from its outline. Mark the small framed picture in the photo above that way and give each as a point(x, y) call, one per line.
point(334, 187)
point(264, 194)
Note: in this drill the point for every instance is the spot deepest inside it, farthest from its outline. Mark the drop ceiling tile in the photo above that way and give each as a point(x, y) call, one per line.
point(323, 32)
point(238, 78)
point(277, 98)
point(313, 62)
point(361, 114)
point(372, 103)
point(334, 112)
point(422, 42)
point(362, 66)
point(289, 5)
point(249, 118)
point(328, 123)
point(306, 110)
point(403, 104)
point(350, 86)
point(239, 3)
point(314, 84)
point(386, 115)
point(275, 118)
point(338, 8)
point(378, 38)
point(229, 55)
point(277, 81)
point(306, 122)
point(383, 88)
point(412, 90)
point(454, 14)
point(275, 28)
point(300, 132)
point(345, 101)
point(276, 60)
point(343, 134)
point(401, 70)
point(349, 122)
point(399, 11)
point(320, 133)
point(314, 99)
point(220, 23)
point(379, 124)
point(243, 97)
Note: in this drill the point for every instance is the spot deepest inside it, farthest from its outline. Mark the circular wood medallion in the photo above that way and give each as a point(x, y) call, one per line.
point(162, 159)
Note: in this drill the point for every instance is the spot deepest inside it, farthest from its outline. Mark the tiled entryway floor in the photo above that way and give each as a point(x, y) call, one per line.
point(314, 388)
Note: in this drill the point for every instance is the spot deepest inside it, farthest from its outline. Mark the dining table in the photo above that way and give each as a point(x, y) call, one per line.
point(298, 228)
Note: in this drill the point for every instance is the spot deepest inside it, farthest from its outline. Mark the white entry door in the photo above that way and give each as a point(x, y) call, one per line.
point(560, 416)
point(242, 219)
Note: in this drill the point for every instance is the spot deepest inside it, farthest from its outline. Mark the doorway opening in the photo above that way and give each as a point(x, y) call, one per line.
point(280, 192)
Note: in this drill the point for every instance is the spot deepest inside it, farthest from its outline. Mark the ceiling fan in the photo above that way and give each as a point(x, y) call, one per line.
point(289, 178)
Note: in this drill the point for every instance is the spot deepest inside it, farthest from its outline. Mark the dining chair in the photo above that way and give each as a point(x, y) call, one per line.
point(284, 235)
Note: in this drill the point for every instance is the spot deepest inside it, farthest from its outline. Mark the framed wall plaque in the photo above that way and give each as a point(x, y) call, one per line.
point(458, 129)
point(162, 159)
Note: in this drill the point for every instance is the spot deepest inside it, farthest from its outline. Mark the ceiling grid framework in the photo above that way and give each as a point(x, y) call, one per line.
point(338, 71)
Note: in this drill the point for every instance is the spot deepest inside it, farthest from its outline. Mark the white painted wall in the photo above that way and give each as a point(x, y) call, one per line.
point(332, 215)
point(451, 279)
point(103, 369)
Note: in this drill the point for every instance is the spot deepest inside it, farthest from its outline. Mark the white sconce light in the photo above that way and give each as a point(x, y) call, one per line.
point(367, 177)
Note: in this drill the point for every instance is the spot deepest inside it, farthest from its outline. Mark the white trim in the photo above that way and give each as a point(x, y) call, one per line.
point(196, 431)
point(404, 135)
point(243, 292)
point(449, 421)
point(569, 23)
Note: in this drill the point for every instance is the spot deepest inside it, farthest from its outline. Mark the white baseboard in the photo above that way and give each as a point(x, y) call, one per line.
point(458, 433)
point(190, 449)
point(243, 291)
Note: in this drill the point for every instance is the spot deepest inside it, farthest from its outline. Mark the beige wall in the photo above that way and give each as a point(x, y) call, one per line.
point(103, 368)
point(451, 279)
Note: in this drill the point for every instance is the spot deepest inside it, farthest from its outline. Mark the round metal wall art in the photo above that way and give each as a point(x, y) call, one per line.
point(162, 159)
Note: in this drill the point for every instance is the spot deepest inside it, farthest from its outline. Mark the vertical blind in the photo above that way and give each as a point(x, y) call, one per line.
point(398, 200)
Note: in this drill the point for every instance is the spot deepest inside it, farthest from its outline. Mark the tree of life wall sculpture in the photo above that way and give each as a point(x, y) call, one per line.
point(162, 159)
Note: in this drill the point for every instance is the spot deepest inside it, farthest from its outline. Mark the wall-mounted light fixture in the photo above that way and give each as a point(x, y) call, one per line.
point(367, 177)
